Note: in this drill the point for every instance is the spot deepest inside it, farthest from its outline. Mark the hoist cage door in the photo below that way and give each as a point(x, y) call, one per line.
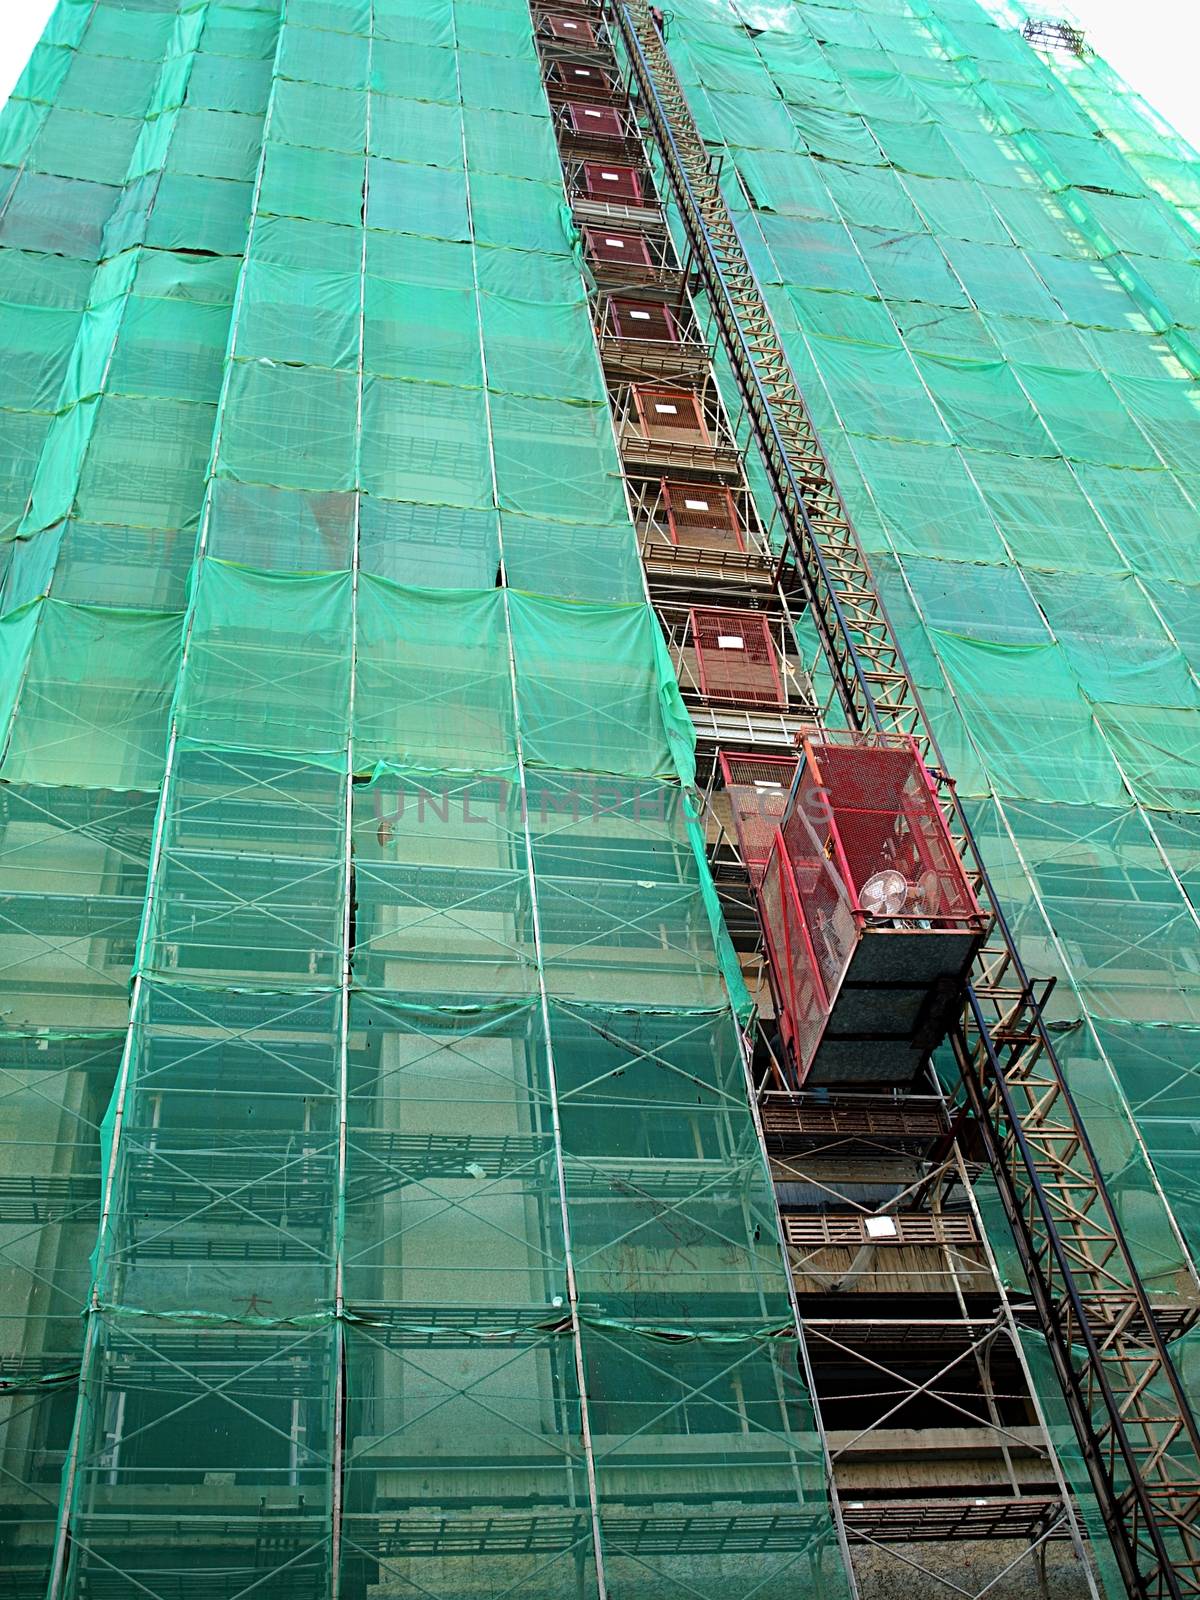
point(702, 516)
point(605, 180)
point(736, 659)
point(602, 122)
point(890, 919)
point(625, 249)
point(672, 415)
point(580, 80)
point(643, 319)
point(572, 30)
point(756, 790)
point(801, 1002)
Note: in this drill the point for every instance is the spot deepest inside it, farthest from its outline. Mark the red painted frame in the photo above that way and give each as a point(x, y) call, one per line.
point(749, 626)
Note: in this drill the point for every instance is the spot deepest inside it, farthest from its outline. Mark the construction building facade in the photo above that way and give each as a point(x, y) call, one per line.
point(599, 806)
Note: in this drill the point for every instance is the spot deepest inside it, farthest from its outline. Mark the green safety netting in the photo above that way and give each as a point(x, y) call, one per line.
point(415, 1208)
point(240, 425)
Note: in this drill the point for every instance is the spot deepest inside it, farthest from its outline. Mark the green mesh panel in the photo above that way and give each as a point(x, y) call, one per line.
point(423, 1127)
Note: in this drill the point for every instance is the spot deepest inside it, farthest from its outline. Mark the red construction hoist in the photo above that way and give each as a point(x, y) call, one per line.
point(868, 914)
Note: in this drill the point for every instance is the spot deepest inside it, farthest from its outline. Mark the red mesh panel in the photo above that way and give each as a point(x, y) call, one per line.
point(886, 818)
point(758, 789)
point(636, 319)
point(582, 80)
point(735, 657)
point(602, 122)
point(799, 995)
point(672, 415)
point(573, 29)
point(610, 181)
point(604, 244)
point(702, 516)
point(828, 906)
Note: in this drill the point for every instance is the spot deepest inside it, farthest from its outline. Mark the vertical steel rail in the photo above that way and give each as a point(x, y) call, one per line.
point(1139, 1438)
point(339, 1420)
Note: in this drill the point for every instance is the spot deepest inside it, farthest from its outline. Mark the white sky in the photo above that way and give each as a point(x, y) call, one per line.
point(1152, 43)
